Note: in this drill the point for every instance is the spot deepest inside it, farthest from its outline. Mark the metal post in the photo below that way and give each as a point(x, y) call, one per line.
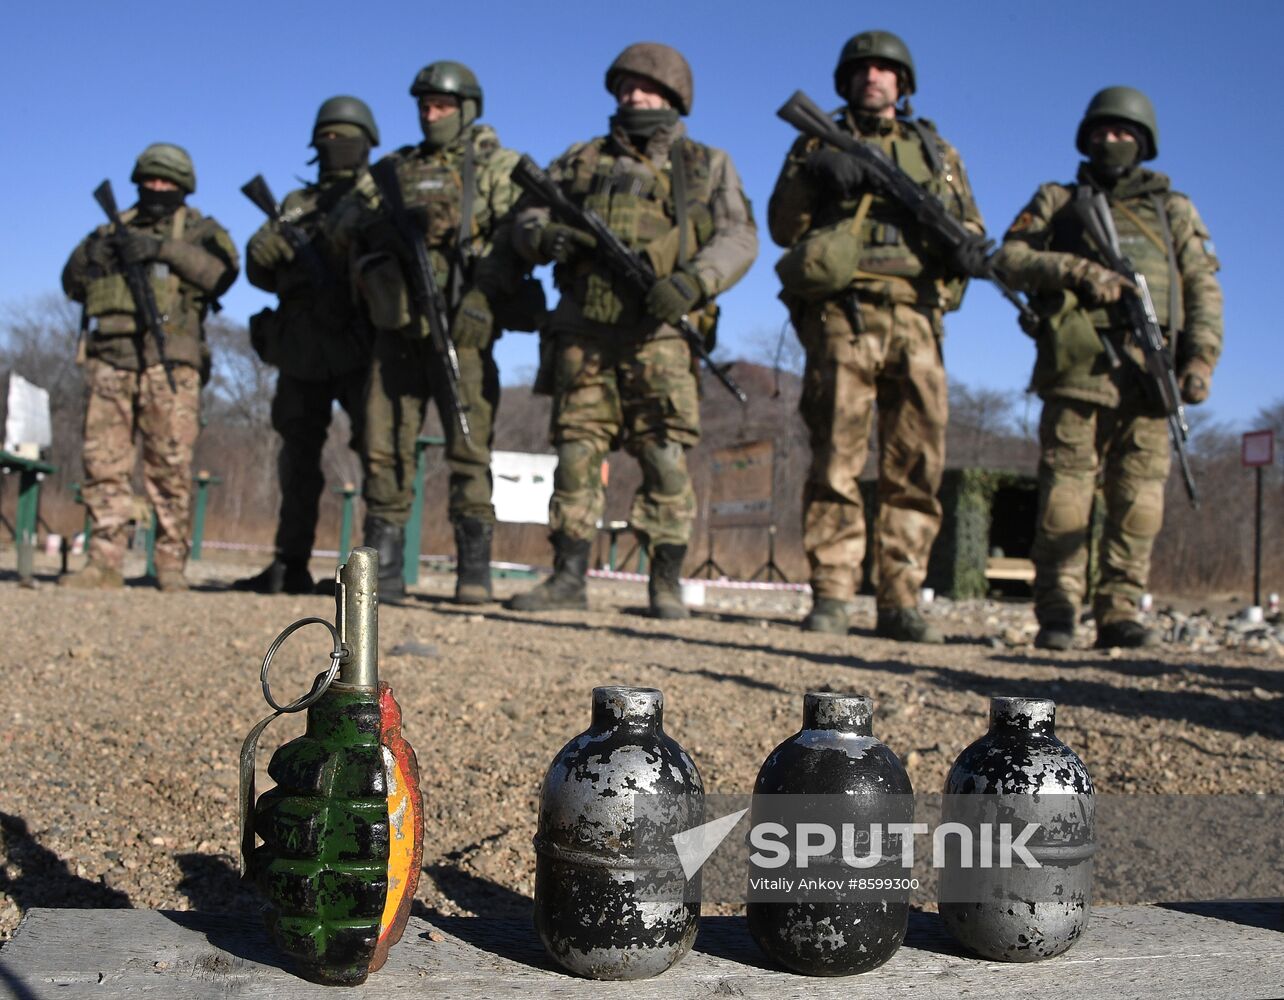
point(414, 528)
point(1257, 545)
point(25, 524)
point(203, 482)
point(349, 493)
point(151, 544)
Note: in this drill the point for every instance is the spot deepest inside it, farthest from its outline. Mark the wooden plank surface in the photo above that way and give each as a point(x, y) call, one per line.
point(1197, 950)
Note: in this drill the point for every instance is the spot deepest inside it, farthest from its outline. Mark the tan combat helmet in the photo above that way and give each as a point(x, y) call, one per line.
point(659, 63)
point(168, 162)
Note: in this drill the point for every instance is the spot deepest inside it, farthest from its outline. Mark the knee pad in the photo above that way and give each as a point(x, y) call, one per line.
point(664, 466)
point(578, 466)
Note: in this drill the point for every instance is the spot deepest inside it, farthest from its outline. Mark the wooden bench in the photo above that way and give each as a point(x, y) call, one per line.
point(27, 513)
point(1185, 950)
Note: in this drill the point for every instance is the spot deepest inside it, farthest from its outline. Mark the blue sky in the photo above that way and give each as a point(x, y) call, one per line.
point(238, 83)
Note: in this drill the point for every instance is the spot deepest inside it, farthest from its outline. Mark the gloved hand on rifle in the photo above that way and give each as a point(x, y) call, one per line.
point(268, 249)
point(139, 248)
point(101, 255)
point(1096, 284)
point(564, 243)
point(971, 258)
point(673, 297)
point(1194, 380)
point(837, 172)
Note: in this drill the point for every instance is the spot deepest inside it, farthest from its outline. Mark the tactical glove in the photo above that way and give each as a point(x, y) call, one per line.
point(1195, 379)
point(268, 249)
point(838, 172)
point(971, 258)
point(139, 248)
point(1098, 285)
point(671, 299)
point(564, 243)
point(101, 255)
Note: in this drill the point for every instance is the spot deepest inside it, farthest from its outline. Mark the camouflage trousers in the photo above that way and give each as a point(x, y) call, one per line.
point(894, 364)
point(404, 376)
point(124, 406)
point(1129, 448)
point(638, 393)
point(301, 412)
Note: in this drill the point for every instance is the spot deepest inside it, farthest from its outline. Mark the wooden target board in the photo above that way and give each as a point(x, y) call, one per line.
point(742, 485)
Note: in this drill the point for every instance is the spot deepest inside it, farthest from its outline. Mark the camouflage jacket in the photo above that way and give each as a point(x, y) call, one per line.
point(897, 261)
point(432, 188)
point(632, 191)
point(317, 331)
point(1047, 240)
point(198, 262)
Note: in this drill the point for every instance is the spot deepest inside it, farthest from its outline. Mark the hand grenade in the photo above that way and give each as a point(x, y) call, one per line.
point(342, 830)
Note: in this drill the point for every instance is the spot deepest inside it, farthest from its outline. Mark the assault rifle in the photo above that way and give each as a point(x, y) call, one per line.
point(1160, 383)
point(802, 113)
point(424, 290)
point(140, 289)
point(257, 190)
point(631, 267)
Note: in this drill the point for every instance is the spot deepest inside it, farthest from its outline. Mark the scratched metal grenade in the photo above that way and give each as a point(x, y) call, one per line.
point(835, 772)
point(611, 899)
point(342, 830)
point(1021, 775)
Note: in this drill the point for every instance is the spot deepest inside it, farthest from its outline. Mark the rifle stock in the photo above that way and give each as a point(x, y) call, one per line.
point(807, 117)
point(631, 267)
point(140, 289)
point(424, 290)
point(258, 191)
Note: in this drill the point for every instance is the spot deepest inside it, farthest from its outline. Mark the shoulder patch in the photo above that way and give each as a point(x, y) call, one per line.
point(1022, 222)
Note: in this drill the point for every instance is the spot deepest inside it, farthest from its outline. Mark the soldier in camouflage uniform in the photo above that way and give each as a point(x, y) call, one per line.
point(1096, 419)
point(456, 186)
point(622, 372)
point(316, 336)
point(867, 291)
point(191, 261)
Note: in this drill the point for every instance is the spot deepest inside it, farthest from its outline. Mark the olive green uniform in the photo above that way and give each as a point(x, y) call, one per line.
point(404, 373)
point(320, 343)
point(866, 291)
point(128, 394)
point(1096, 420)
point(620, 376)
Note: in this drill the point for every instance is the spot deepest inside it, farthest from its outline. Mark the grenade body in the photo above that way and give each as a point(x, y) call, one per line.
point(1020, 773)
point(342, 830)
point(856, 779)
point(611, 899)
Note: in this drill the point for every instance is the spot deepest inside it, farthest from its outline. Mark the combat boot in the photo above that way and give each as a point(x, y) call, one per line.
point(567, 587)
point(282, 576)
point(1056, 636)
point(472, 561)
point(664, 588)
point(906, 625)
point(171, 580)
point(827, 614)
point(389, 540)
point(1126, 634)
point(94, 576)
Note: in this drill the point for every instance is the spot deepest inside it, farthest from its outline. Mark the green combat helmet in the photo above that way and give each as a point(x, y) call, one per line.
point(1121, 104)
point(344, 110)
point(450, 77)
point(874, 45)
point(168, 162)
point(660, 63)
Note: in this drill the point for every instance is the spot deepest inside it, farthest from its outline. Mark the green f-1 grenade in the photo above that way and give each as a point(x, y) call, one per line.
point(342, 830)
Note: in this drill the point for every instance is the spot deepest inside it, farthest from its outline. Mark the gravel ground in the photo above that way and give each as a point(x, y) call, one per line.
point(123, 712)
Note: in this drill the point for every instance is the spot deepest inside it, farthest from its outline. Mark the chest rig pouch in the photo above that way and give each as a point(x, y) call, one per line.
point(108, 301)
point(653, 211)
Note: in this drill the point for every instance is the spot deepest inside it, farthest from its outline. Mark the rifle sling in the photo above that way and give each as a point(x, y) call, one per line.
point(678, 173)
point(468, 181)
point(1176, 308)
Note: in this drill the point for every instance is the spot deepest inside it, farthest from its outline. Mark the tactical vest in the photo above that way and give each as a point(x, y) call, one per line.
point(637, 202)
point(891, 243)
point(1144, 238)
point(306, 209)
point(120, 332)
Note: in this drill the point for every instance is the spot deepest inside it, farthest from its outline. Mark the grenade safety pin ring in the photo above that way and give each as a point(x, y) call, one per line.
point(337, 655)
